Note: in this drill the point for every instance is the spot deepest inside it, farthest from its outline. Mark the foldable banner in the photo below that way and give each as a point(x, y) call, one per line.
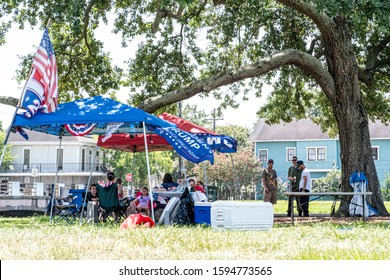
point(187, 144)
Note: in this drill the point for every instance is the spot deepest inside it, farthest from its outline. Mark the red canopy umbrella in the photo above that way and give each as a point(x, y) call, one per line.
point(135, 143)
point(184, 124)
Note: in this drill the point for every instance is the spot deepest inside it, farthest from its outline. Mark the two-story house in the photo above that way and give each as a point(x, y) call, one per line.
point(35, 160)
point(320, 153)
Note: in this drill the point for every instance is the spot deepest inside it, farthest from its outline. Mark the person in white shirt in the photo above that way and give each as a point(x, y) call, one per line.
point(304, 186)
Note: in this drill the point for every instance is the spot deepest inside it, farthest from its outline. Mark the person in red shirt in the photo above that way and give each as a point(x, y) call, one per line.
point(135, 220)
point(200, 187)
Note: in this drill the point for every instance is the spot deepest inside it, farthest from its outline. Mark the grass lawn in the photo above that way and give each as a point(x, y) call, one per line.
point(35, 238)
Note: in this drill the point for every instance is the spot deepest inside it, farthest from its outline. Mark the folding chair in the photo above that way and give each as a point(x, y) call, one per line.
point(78, 200)
point(65, 209)
point(109, 204)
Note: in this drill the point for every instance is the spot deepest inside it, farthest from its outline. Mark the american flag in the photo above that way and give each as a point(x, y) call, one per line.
point(41, 90)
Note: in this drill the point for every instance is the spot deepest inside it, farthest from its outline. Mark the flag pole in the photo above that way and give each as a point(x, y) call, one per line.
point(17, 107)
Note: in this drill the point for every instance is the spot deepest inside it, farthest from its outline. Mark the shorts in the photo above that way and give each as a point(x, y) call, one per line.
point(270, 197)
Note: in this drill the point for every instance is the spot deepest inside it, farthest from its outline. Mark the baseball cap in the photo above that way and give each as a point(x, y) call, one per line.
point(299, 163)
point(270, 161)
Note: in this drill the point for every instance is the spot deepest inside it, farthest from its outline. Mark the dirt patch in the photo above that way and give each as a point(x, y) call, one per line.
point(335, 220)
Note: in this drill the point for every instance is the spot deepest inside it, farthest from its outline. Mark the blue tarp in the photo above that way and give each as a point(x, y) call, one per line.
point(93, 114)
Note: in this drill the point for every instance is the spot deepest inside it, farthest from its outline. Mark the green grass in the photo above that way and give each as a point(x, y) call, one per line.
point(35, 238)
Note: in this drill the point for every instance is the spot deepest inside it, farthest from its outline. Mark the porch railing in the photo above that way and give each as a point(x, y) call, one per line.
point(51, 168)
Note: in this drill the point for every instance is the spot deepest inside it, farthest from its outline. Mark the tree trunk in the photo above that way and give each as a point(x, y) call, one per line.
point(353, 128)
point(351, 116)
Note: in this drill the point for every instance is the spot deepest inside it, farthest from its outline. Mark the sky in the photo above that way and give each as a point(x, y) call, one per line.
point(23, 42)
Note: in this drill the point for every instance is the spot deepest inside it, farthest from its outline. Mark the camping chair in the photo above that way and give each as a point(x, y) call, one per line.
point(212, 192)
point(78, 200)
point(109, 204)
point(65, 209)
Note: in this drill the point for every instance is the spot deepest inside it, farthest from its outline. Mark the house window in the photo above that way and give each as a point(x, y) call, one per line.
point(311, 154)
point(320, 154)
point(97, 161)
point(316, 154)
point(263, 155)
point(375, 153)
point(83, 160)
point(290, 152)
point(26, 159)
point(60, 158)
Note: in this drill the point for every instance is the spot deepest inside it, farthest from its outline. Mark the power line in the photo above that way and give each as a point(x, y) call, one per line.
point(214, 119)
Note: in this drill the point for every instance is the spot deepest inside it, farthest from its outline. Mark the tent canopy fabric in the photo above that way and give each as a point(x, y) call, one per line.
point(184, 124)
point(134, 143)
point(92, 115)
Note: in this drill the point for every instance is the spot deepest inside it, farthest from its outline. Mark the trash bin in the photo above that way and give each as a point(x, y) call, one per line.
point(212, 192)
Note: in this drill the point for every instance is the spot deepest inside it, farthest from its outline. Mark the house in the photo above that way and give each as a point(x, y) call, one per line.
point(320, 153)
point(35, 161)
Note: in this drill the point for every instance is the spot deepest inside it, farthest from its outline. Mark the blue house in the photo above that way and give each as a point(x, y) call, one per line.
point(319, 152)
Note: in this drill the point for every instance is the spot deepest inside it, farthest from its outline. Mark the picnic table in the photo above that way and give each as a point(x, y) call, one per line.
point(335, 195)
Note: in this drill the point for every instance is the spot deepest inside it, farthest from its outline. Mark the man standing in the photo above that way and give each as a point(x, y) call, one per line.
point(294, 176)
point(270, 183)
point(304, 186)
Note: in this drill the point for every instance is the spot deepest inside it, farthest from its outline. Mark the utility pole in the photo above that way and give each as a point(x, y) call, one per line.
point(214, 119)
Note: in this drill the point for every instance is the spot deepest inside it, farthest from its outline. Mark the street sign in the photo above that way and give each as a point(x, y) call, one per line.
point(129, 177)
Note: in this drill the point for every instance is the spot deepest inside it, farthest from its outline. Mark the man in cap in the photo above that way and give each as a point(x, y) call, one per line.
point(269, 180)
point(304, 186)
point(294, 177)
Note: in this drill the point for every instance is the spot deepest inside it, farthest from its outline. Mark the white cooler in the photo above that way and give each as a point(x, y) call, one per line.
point(242, 215)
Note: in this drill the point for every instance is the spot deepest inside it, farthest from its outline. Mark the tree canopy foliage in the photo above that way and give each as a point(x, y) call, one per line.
point(211, 42)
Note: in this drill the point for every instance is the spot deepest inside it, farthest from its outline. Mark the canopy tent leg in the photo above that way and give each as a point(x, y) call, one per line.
point(149, 175)
point(132, 179)
point(205, 178)
point(55, 181)
point(89, 182)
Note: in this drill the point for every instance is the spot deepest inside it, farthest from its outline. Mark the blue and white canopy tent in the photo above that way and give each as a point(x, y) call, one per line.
point(91, 116)
point(96, 116)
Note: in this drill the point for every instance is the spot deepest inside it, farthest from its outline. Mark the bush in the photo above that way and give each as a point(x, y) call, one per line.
point(329, 183)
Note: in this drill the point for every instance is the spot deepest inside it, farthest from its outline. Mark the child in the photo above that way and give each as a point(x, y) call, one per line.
point(92, 195)
point(144, 201)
